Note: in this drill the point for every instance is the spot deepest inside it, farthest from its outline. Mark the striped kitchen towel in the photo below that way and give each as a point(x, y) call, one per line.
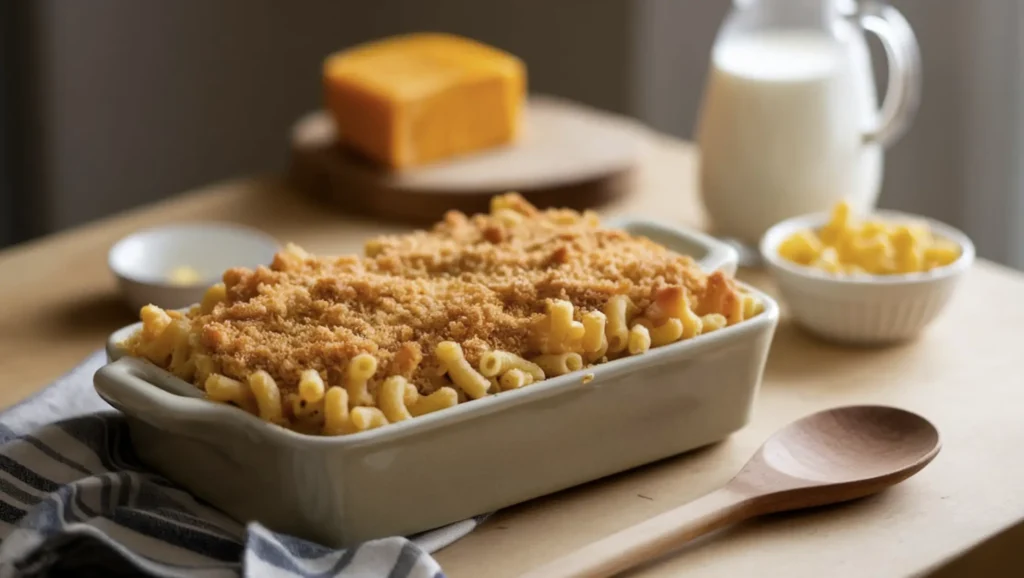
point(76, 501)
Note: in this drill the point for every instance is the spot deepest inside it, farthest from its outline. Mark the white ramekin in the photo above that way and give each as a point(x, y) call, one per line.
point(143, 260)
point(869, 309)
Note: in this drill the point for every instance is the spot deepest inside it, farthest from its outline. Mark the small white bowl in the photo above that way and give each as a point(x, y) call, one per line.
point(143, 262)
point(864, 309)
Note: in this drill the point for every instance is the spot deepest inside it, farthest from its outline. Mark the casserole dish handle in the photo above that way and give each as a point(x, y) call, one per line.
point(709, 253)
point(719, 256)
point(132, 386)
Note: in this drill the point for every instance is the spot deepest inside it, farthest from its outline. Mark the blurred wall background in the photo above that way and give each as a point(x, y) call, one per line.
point(115, 103)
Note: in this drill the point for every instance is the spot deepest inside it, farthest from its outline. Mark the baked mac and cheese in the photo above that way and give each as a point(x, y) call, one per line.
point(427, 320)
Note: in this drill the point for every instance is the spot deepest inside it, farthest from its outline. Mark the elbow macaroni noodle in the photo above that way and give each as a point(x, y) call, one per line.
point(562, 331)
point(559, 363)
point(617, 311)
point(514, 379)
point(594, 337)
point(268, 396)
point(462, 374)
point(670, 331)
point(391, 398)
point(639, 340)
point(357, 378)
point(353, 397)
point(495, 363)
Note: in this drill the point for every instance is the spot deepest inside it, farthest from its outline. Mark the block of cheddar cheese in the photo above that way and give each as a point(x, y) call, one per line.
point(414, 99)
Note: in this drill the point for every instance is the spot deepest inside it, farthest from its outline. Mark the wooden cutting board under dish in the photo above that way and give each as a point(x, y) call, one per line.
point(568, 155)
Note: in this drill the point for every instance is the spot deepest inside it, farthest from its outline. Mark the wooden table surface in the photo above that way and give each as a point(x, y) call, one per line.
point(59, 302)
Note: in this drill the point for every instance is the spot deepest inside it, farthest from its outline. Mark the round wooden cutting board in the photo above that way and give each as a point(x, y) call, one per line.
point(568, 155)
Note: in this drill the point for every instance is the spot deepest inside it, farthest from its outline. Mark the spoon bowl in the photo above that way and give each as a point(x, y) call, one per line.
point(829, 457)
point(851, 444)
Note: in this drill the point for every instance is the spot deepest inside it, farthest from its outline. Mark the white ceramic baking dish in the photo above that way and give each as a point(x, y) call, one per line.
point(464, 461)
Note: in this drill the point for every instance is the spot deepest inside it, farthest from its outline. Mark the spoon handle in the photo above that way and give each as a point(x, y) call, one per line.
point(649, 539)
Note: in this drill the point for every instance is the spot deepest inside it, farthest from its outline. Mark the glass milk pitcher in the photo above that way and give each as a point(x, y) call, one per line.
point(789, 122)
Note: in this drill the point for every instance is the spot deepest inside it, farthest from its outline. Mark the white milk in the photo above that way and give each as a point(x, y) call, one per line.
point(781, 129)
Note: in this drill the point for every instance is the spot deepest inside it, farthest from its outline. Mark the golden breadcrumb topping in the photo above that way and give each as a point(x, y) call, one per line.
point(480, 281)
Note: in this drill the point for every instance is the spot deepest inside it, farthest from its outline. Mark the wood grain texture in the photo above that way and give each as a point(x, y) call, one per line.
point(60, 302)
point(832, 456)
point(569, 155)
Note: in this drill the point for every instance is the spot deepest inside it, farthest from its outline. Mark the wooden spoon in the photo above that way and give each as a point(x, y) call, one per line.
point(828, 457)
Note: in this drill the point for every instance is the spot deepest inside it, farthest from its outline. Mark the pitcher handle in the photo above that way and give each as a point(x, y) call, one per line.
point(904, 93)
